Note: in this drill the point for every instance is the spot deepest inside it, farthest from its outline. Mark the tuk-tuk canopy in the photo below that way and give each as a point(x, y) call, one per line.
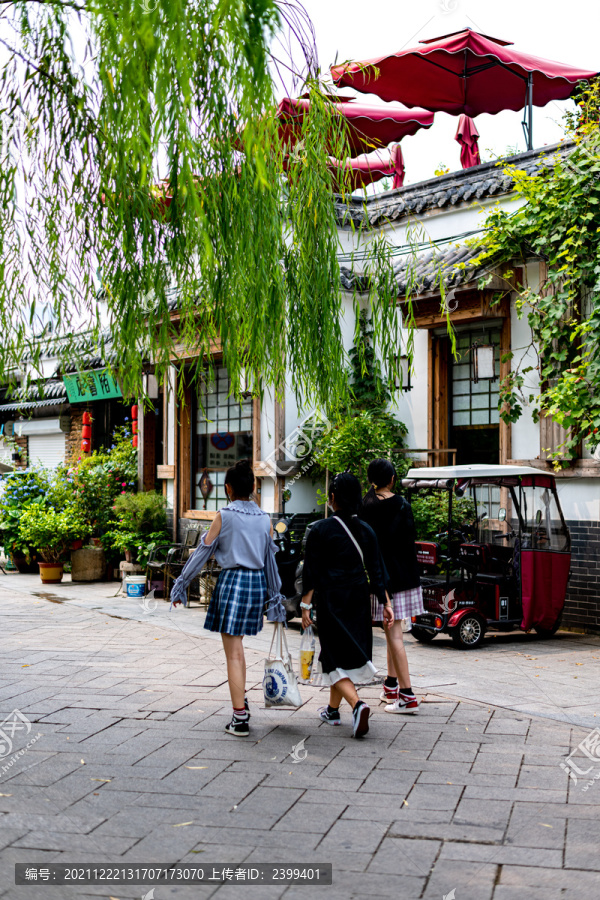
point(445, 476)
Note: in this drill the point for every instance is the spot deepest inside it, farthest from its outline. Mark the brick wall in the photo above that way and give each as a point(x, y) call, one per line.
point(23, 445)
point(73, 438)
point(582, 609)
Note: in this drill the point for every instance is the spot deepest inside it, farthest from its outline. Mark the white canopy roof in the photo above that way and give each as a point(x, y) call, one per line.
point(473, 471)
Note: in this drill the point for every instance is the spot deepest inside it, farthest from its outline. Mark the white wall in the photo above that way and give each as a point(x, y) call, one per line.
point(580, 498)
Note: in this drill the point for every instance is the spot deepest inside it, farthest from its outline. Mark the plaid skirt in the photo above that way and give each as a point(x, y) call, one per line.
point(237, 603)
point(405, 604)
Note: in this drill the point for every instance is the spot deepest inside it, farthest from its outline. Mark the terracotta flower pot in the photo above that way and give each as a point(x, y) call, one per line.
point(51, 573)
point(77, 545)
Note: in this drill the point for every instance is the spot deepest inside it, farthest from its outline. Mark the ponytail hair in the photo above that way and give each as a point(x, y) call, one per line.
point(379, 473)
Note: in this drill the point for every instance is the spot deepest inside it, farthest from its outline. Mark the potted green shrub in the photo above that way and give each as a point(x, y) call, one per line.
point(141, 524)
point(19, 489)
point(52, 532)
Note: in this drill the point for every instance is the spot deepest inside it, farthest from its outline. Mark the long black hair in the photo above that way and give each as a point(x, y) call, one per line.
point(241, 478)
point(379, 473)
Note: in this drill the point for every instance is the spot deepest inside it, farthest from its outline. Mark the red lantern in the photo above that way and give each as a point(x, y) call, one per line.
point(134, 427)
point(134, 440)
point(86, 446)
point(86, 432)
point(134, 412)
point(87, 418)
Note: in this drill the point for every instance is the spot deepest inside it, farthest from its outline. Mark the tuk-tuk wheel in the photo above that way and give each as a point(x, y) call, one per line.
point(469, 632)
point(422, 634)
point(549, 632)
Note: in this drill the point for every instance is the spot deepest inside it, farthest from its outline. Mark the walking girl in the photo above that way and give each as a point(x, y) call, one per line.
point(340, 552)
point(240, 538)
point(390, 516)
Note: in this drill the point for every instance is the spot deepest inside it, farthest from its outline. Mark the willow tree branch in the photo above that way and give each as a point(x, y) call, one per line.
point(65, 4)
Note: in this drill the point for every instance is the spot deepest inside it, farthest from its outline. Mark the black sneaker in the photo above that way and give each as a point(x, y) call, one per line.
point(238, 727)
point(247, 706)
point(360, 719)
point(332, 718)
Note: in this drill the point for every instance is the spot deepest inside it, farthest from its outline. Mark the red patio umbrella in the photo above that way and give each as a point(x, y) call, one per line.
point(371, 167)
point(370, 126)
point(468, 136)
point(465, 72)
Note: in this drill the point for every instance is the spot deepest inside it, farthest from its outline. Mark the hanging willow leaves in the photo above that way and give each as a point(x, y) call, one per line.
point(147, 200)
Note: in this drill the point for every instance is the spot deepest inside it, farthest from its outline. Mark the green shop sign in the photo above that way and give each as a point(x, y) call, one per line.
point(98, 384)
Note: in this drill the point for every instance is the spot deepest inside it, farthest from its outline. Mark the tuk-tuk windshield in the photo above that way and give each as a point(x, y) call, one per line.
point(495, 521)
point(543, 525)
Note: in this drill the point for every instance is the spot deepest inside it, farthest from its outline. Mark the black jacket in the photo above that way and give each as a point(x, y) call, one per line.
point(332, 566)
point(393, 523)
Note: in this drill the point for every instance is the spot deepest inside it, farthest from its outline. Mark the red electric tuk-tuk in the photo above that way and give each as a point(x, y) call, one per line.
point(505, 567)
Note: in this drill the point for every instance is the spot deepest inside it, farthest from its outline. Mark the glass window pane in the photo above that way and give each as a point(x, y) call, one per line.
point(461, 418)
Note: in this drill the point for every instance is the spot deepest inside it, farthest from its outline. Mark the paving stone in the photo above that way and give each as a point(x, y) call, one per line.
point(382, 782)
point(581, 850)
point(529, 828)
point(470, 881)
point(438, 797)
point(353, 835)
point(544, 858)
point(310, 817)
point(396, 856)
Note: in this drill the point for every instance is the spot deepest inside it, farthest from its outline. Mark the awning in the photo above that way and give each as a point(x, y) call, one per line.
point(370, 126)
point(465, 72)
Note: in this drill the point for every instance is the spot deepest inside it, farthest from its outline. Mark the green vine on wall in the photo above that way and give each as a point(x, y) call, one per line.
point(559, 224)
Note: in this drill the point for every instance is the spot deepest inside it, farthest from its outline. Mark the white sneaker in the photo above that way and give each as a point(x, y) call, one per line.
point(406, 703)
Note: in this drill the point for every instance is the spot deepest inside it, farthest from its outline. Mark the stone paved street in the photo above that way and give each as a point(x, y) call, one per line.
point(133, 766)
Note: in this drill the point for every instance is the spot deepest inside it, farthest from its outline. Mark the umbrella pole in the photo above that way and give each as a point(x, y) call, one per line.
point(528, 113)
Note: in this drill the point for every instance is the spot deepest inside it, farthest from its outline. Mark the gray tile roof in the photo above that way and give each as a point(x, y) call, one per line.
point(53, 393)
point(422, 272)
point(452, 190)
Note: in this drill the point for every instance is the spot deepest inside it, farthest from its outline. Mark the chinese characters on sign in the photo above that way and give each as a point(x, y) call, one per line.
point(94, 385)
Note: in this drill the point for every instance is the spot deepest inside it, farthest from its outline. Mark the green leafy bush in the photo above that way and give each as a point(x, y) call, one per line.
point(102, 477)
point(354, 442)
point(19, 490)
point(51, 532)
point(140, 524)
point(430, 510)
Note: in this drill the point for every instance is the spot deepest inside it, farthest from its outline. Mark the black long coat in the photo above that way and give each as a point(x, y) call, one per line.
point(333, 568)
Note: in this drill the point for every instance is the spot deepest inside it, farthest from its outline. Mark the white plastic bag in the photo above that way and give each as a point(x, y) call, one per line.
point(307, 654)
point(280, 686)
point(316, 675)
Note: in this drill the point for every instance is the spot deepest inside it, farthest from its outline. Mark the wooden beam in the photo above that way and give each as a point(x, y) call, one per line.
point(505, 436)
point(176, 483)
point(206, 515)
point(430, 368)
point(279, 439)
point(185, 454)
point(579, 468)
point(149, 455)
point(256, 447)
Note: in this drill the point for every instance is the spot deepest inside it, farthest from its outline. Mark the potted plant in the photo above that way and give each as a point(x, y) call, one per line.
point(52, 532)
point(141, 525)
point(18, 490)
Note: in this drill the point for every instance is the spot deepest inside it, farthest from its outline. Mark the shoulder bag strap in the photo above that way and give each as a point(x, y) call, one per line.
point(352, 538)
